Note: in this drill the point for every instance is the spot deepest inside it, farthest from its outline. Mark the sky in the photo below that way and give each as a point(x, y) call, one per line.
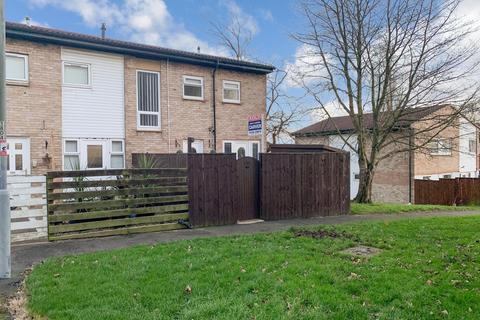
point(186, 24)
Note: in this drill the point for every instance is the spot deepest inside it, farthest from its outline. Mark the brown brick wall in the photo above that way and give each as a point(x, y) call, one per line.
point(34, 110)
point(426, 164)
point(189, 117)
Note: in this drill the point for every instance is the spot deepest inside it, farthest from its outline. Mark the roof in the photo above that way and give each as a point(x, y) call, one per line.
point(79, 40)
point(302, 148)
point(344, 124)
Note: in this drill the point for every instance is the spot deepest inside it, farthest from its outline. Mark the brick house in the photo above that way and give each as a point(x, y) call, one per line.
point(451, 152)
point(80, 101)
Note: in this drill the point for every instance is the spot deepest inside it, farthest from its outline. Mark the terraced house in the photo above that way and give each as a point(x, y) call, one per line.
point(81, 101)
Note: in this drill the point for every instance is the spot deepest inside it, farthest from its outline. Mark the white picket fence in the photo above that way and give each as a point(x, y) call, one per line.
point(28, 205)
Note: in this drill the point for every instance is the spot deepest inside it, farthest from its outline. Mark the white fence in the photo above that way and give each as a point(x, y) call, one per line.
point(28, 206)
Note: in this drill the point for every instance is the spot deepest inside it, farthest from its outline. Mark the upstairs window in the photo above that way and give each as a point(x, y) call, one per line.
point(192, 88)
point(231, 91)
point(76, 74)
point(472, 146)
point(440, 147)
point(148, 100)
point(16, 67)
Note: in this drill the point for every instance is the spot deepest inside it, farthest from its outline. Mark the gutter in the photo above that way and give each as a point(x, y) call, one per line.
point(145, 53)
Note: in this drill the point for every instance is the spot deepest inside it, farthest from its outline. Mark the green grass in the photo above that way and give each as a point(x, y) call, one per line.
point(428, 267)
point(361, 208)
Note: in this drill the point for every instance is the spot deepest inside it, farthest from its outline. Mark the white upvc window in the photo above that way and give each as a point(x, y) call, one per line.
point(440, 147)
point(117, 158)
point(16, 67)
point(148, 100)
point(192, 88)
point(76, 74)
point(472, 146)
point(242, 148)
point(71, 155)
point(231, 91)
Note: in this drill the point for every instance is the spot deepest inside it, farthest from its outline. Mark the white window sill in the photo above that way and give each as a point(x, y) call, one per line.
point(149, 129)
point(77, 86)
point(231, 102)
point(194, 98)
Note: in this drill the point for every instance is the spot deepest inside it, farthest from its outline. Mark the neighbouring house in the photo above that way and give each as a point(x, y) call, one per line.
point(451, 152)
point(88, 102)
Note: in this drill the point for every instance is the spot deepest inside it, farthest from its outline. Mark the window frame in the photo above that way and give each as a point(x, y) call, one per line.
point(116, 153)
point(159, 124)
point(77, 64)
point(439, 152)
point(472, 142)
point(239, 91)
point(26, 71)
point(69, 153)
point(201, 98)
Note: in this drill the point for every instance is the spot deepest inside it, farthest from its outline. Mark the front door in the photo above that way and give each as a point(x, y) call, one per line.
point(95, 152)
point(242, 148)
point(18, 156)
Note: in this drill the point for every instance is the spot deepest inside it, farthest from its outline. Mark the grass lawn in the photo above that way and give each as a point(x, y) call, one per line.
point(429, 269)
point(361, 208)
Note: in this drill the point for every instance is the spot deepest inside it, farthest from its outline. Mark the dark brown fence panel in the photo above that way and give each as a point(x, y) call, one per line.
point(459, 191)
point(248, 188)
point(304, 185)
point(212, 189)
point(96, 203)
point(160, 160)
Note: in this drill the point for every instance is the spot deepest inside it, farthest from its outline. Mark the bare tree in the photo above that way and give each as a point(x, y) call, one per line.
point(380, 59)
point(283, 111)
point(233, 36)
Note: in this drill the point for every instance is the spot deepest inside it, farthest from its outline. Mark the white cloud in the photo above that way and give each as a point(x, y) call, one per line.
point(236, 12)
point(306, 67)
point(333, 108)
point(267, 15)
point(146, 21)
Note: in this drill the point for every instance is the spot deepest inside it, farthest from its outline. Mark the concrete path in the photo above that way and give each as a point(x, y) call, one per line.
point(26, 255)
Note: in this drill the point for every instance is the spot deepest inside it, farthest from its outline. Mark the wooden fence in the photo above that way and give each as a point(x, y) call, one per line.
point(304, 185)
point(28, 206)
point(459, 191)
point(111, 202)
point(212, 189)
point(223, 190)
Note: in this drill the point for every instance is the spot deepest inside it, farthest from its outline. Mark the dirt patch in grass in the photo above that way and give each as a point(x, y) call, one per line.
point(320, 234)
point(16, 305)
point(362, 251)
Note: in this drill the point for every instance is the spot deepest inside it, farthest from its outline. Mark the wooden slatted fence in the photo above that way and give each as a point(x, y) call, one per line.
point(458, 191)
point(96, 203)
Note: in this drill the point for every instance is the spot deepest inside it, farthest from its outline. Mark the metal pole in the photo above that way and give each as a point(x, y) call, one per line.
point(5, 263)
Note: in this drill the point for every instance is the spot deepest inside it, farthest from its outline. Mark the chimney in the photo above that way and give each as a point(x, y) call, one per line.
point(104, 29)
point(27, 21)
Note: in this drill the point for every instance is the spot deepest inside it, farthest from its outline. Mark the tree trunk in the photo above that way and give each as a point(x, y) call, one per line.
point(364, 194)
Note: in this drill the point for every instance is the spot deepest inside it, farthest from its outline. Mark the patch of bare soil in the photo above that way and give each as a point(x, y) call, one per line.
point(16, 305)
point(320, 234)
point(362, 251)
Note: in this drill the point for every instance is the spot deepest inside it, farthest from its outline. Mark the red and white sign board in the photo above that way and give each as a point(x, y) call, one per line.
point(3, 148)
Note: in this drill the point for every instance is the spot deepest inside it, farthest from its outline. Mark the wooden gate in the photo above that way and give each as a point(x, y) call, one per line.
point(248, 187)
